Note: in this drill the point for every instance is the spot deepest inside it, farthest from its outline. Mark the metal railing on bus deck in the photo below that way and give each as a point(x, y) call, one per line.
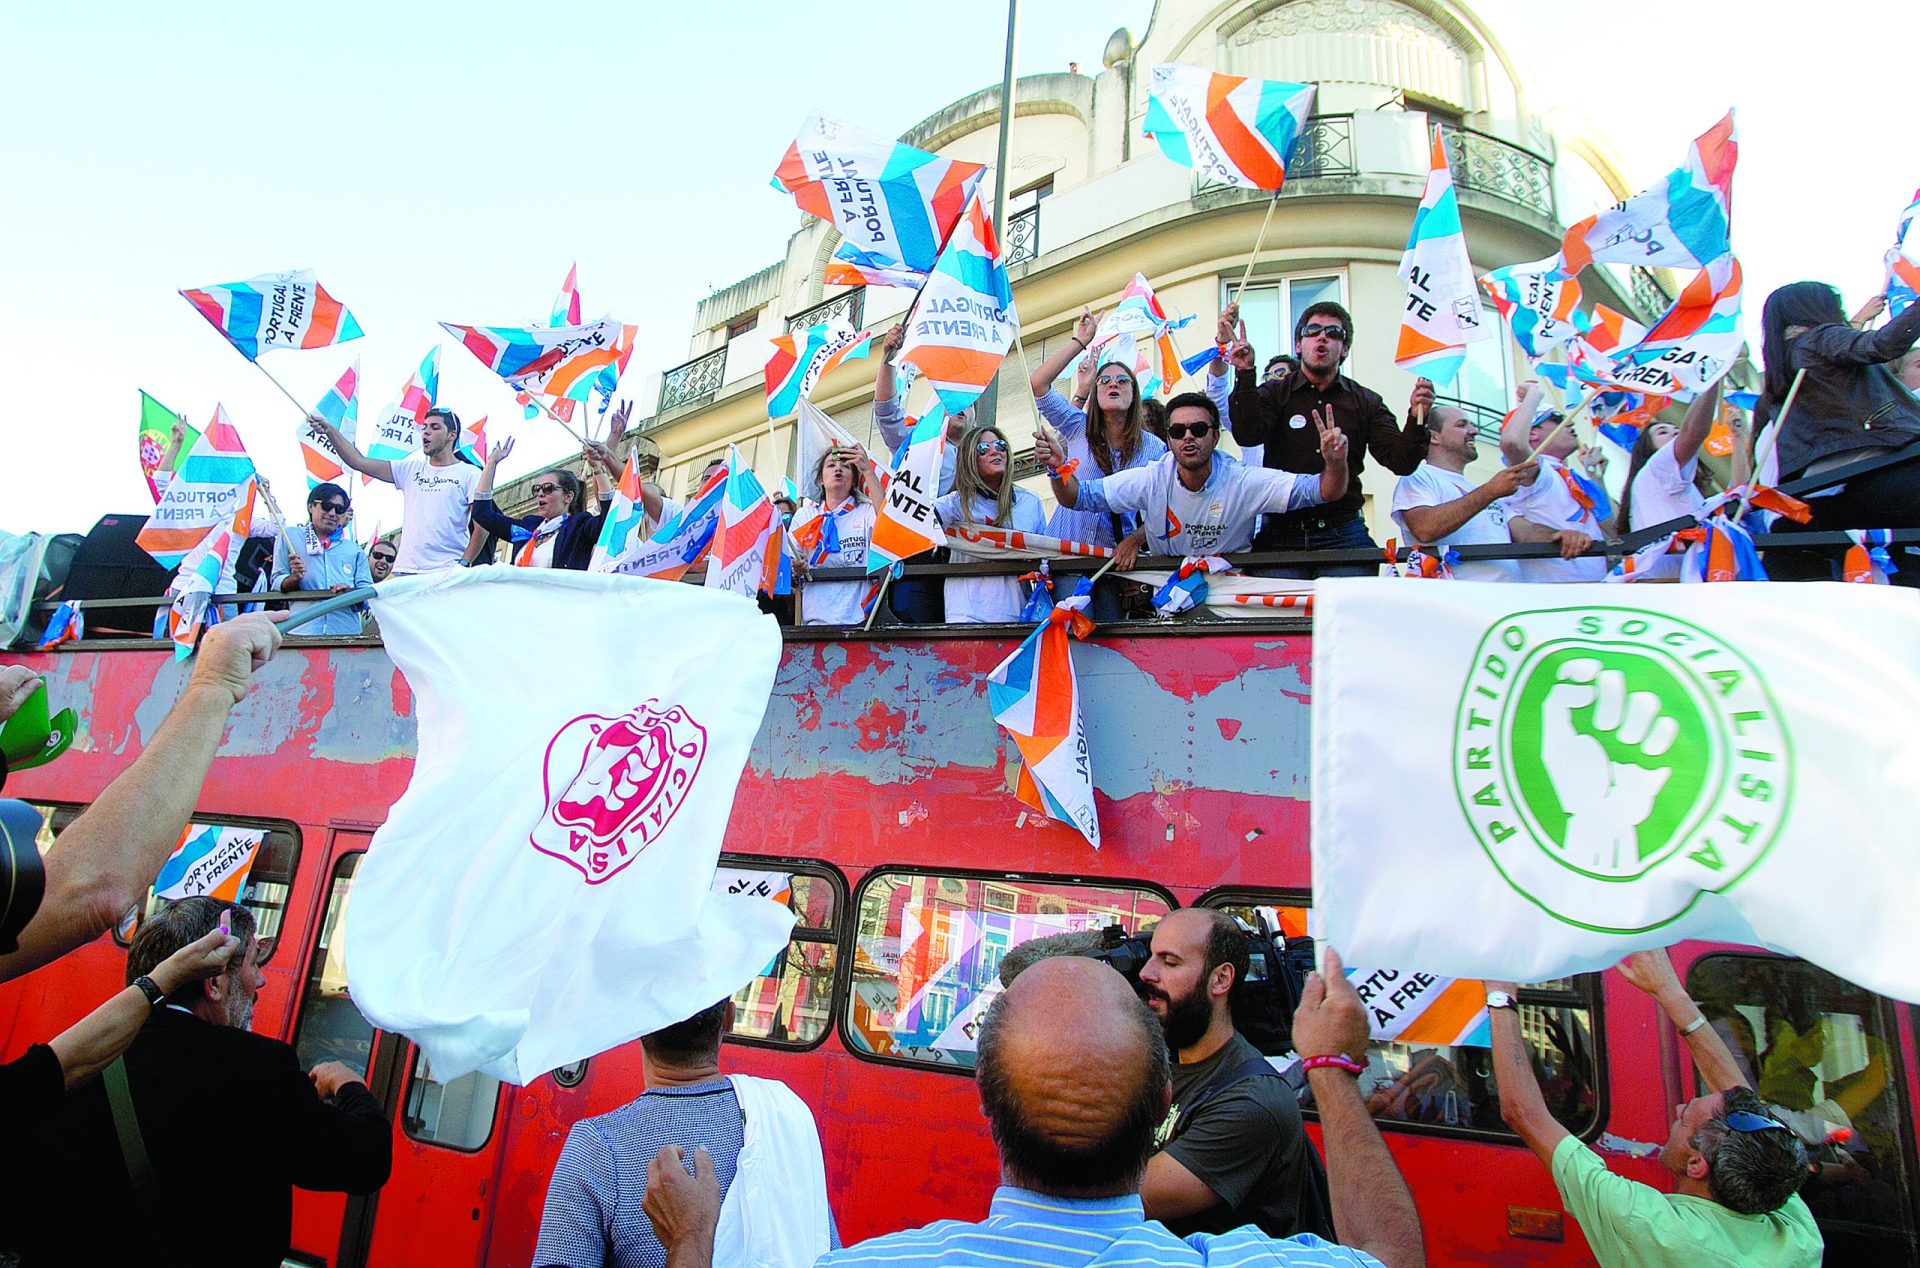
point(1612, 551)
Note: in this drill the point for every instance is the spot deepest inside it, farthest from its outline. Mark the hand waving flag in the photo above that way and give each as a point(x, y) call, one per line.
point(964, 322)
point(1443, 313)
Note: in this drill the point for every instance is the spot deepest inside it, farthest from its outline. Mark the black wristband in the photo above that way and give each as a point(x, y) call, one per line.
point(151, 989)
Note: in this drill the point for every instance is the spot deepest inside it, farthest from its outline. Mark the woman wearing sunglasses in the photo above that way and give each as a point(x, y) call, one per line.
point(561, 532)
point(984, 493)
point(321, 556)
point(1108, 436)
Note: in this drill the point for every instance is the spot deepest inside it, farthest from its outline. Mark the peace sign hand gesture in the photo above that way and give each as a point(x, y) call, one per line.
point(1333, 441)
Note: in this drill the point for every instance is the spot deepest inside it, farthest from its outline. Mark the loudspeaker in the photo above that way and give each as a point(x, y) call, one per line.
point(111, 565)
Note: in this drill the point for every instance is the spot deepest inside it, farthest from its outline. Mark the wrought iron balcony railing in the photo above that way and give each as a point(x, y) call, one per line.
point(1489, 165)
point(693, 383)
point(1324, 149)
point(1023, 235)
point(850, 306)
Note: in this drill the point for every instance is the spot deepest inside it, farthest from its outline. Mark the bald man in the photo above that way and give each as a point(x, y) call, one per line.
point(1234, 1150)
point(1073, 1078)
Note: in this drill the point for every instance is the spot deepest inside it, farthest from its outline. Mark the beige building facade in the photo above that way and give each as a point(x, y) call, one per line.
point(1091, 202)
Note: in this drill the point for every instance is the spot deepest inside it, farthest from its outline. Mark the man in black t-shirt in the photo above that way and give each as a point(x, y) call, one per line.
point(1232, 1150)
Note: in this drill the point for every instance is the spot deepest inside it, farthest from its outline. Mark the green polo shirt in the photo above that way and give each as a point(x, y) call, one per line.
point(1631, 1225)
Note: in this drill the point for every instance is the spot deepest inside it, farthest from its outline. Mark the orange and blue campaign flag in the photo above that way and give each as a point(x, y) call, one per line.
point(275, 310)
point(1683, 221)
point(1423, 1008)
point(801, 357)
point(1139, 321)
point(906, 524)
point(341, 407)
point(1226, 127)
point(566, 305)
point(67, 625)
point(398, 432)
point(1442, 314)
point(1903, 271)
point(210, 861)
point(683, 540)
point(1036, 697)
point(745, 523)
point(1539, 304)
point(894, 206)
point(212, 480)
point(200, 572)
point(1696, 340)
point(557, 361)
point(964, 321)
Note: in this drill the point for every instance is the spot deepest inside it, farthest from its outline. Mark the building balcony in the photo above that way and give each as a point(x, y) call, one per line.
point(849, 306)
point(689, 386)
point(1023, 236)
point(1488, 165)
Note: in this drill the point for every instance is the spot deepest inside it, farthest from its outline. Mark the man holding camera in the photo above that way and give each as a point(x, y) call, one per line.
point(1232, 1150)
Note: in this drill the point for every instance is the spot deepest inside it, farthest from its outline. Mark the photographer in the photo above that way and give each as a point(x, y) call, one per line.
point(1233, 1150)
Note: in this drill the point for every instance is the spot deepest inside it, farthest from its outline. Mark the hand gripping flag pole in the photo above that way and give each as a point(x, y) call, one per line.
point(1259, 239)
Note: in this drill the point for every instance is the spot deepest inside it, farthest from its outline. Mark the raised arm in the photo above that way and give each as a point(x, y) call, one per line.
point(377, 468)
point(1652, 972)
point(1694, 429)
point(103, 863)
point(90, 1044)
point(1373, 1208)
point(1066, 486)
point(1522, 1107)
point(485, 513)
point(1252, 417)
point(1843, 345)
point(1517, 431)
point(176, 441)
point(1333, 456)
point(1075, 345)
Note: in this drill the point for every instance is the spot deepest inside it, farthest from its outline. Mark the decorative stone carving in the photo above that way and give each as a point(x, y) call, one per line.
point(1332, 17)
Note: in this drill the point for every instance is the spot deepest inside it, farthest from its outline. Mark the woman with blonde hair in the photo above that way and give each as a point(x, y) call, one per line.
point(834, 534)
point(984, 493)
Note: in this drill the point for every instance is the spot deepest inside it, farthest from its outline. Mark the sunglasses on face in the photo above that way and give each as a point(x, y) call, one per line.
point(989, 446)
point(1331, 332)
point(385, 559)
point(541, 490)
point(1180, 431)
point(331, 508)
point(1115, 380)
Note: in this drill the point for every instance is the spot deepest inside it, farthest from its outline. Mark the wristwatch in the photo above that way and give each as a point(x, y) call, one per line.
point(1500, 999)
point(151, 989)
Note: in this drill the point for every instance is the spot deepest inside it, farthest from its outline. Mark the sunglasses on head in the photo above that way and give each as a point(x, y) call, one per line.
point(1747, 1121)
point(1331, 332)
point(541, 490)
point(1180, 431)
point(989, 445)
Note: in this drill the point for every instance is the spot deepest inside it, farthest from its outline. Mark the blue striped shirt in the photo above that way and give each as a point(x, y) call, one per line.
point(1034, 1229)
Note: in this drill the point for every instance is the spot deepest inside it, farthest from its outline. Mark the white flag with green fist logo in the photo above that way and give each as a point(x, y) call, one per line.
point(1522, 782)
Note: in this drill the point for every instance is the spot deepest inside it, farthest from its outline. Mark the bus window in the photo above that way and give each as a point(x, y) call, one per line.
point(790, 1005)
point(457, 1115)
point(329, 1027)
point(1822, 1052)
point(1451, 1086)
point(928, 947)
point(269, 877)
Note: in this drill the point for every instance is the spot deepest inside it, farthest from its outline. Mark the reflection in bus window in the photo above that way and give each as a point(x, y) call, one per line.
point(458, 1115)
point(927, 959)
point(1817, 1050)
point(1451, 1085)
point(790, 1003)
point(329, 1027)
point(269, 877)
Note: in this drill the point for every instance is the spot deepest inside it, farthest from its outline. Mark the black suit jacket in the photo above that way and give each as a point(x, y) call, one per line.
point(232, 1126)
point(573, 541)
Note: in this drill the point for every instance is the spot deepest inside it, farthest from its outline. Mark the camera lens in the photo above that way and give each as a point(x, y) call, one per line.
point(22, 875)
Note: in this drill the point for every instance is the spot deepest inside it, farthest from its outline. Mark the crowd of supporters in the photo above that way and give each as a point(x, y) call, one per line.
point(1148, 479)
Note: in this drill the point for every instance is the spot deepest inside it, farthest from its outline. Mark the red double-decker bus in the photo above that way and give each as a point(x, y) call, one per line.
point(878, 797)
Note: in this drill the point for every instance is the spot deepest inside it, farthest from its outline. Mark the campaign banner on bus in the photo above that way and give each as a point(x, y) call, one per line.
point(1574, 776)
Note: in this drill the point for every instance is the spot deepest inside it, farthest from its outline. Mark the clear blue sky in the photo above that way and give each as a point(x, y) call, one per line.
point(447, 162)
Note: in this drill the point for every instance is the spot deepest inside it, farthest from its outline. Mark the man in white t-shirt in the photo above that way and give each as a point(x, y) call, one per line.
point(1191, 504)
point(436, 490)
point(1556, 507)
point(1436, 505)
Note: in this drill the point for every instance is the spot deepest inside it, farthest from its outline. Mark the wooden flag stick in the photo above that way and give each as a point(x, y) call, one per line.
point(1566, 421)
point(1105, 567)
point(1771, 440)
point(273, 509)
point(548, 411)
point(879, 599)
point(1258, 240)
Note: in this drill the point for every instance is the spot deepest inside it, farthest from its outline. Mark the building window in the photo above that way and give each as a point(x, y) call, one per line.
point(925, 975)
point(456, 1115)
point(1271, 309)
point(737, 328)
point(1450, 1087)
point(790, 1004)
point(1824, 1055)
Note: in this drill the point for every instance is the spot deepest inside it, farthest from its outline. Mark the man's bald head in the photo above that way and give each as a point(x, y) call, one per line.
point(1073, 1079)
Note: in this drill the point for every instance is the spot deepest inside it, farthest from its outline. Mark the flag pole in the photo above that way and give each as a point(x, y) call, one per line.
point(878, 600)
point(304, 411)
point(1772, 439)
point(548, 411)
point(1566, 421)
point(1259, 239)
point(273, 509)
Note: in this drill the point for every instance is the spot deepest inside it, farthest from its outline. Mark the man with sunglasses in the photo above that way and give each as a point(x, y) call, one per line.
point(1192, 503)
point(1736, 1168)
point(322, 556)
point(1275, 415)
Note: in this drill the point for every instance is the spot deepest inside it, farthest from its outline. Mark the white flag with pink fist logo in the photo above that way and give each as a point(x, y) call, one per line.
point(542, 892)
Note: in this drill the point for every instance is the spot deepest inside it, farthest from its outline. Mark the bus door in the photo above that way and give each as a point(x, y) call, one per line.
point(431, 1209)
point(1835, 1062)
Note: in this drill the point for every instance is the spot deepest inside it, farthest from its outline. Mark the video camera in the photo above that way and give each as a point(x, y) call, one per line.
point(1262, 1003)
